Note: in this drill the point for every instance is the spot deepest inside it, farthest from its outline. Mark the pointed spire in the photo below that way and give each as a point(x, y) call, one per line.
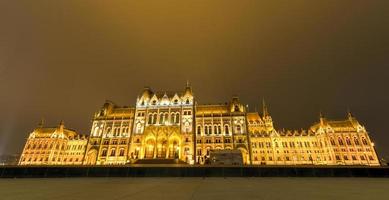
point(188, 88)
point(264, 108)
point(61, 125)
point(349, 114)
point(321, 117)
point(41, 123)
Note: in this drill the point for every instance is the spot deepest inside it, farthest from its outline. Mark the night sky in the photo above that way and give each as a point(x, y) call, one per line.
point(61, 61)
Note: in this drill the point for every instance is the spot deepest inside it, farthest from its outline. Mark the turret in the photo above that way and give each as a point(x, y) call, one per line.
point(188, 89)
point(146, 94)
point(264, 109)
point(266, 116)
point(322, 119)
point(41, 123)
point(235, 105)
point(61, 126)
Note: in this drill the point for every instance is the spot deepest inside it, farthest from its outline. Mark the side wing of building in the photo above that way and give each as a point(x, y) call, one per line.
point(221, 127)
point(54, 146)
point(109, 140)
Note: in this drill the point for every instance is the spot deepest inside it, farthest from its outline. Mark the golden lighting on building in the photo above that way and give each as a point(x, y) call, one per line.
point(171, 126)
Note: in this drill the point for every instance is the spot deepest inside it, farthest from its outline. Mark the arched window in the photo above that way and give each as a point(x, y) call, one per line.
point(161, 118)
point(198, 129)
point(150, 119)
point(348, 141)
point(340, 141)
point(108, 130)
point(139, 128)
point(226, 129)
point(125, 130)
point(364, 141)
point(215, 130)
point(96, 131)
point(113, 152)
point(177, 118)
point(238, 129)
point(104, 152)
point(219, 129)
point(332, 141)
point(166, 117)
point(187, 101)
point(155, 116)
point(356, 141)
point(121, 153)
point(236, 108)
point(209, 129)
point(206, 129)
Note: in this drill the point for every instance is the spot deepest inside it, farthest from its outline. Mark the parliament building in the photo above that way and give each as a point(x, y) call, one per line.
point(167, 126)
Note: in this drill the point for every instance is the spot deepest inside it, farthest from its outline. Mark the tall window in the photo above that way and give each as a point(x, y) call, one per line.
point(113, 152)
point(96, 131)
point(150, 119)
point(121, 153)
point(198, 129)
point(162, 118)
point(226, 129)
point(340, 141)
point(332, 141)
point(206, 130)
point(348, 141)
point(177, 118)
point(364, 141)
point(155, 116)
point(166, 117)
point(172, 117)
point(356, 141)
point(238, 129)
point(104, 152)
point(138, 127)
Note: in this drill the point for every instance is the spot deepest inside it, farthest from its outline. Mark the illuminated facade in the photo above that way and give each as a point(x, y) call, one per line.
point(172, 126)
point(344, 142)
point(54, 146)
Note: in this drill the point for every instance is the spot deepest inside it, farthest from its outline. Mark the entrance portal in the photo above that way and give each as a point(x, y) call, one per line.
point(149, 149)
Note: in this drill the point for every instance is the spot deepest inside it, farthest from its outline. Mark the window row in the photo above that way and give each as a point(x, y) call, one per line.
point(217, 129)
point(348, 141)
point(112, 152)
point(164, 118)
point(353, 157)
point(115, 142)
point(46, 159)
point(45, 146)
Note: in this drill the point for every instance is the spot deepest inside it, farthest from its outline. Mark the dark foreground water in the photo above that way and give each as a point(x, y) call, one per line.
point(194, 188)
